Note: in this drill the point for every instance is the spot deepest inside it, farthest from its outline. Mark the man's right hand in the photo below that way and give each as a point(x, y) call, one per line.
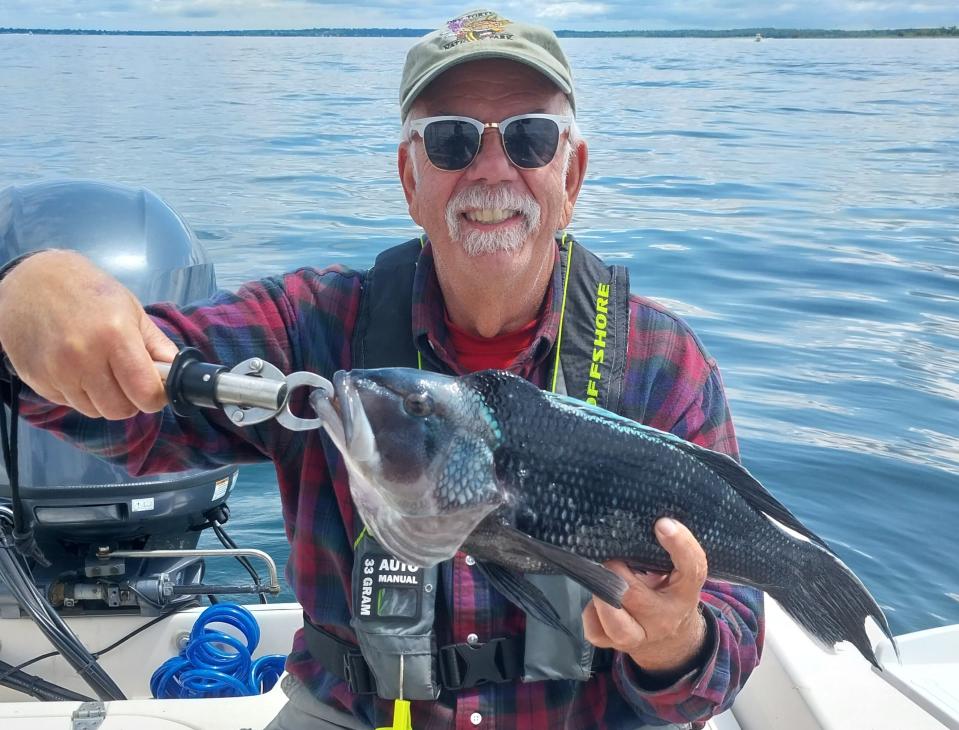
point(80, 338)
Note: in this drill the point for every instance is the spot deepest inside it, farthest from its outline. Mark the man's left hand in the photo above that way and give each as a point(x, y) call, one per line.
point(660, 625)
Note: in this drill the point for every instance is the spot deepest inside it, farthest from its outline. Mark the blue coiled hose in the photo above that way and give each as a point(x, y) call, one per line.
point(217, 664)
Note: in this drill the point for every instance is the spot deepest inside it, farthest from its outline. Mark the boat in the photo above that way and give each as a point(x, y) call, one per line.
point(759, 37)
point(797, 686)
point(126, 577)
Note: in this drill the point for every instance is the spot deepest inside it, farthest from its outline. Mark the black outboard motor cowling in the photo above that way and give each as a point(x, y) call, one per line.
point(79, 502)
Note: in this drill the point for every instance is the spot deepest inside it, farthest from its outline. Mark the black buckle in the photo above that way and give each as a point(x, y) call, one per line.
point(469, 665)
point(357, 674)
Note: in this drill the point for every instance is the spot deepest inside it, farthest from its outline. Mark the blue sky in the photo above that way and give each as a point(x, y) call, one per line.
point(567, 14)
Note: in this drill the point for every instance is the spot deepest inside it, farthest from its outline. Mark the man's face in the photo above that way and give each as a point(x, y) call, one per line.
point(492, 212)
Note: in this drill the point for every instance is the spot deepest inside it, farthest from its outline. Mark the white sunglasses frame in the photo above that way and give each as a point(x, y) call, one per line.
point(562, 121)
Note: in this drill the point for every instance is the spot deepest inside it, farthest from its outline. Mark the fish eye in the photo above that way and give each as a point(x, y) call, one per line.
point(418, 404)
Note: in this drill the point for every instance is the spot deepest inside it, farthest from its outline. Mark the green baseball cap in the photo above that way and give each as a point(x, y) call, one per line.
point(483, 34)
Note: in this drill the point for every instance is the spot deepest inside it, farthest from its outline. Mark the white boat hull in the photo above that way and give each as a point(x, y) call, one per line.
point(798, 686)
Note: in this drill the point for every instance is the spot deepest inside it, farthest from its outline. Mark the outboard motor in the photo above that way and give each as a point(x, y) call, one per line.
point(79, 504)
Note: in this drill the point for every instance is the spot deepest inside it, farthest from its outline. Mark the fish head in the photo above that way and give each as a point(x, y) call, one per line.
point(419, 449)
point(397, 425)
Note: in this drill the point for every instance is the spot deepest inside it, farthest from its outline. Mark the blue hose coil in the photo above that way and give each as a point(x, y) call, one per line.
point(217, 664)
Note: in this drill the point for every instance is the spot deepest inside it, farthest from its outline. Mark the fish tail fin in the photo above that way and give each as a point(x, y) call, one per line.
point(827, 599)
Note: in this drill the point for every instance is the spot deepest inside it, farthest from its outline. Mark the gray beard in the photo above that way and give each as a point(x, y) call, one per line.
point(478, 243)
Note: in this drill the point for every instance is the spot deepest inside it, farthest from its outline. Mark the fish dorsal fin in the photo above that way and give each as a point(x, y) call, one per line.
point(614, 420)
point(727, 468)
point(749, 488)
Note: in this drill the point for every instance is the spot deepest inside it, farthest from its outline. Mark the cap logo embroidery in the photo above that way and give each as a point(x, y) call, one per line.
point(484, 25)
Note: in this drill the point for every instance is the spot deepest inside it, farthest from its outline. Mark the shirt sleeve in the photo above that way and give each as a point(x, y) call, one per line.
point(734, 613)
point(299, 321)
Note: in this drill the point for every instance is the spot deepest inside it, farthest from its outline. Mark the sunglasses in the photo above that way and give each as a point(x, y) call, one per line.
point(529, 140)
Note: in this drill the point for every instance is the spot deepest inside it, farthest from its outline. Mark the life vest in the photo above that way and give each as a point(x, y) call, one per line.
point(393, 603)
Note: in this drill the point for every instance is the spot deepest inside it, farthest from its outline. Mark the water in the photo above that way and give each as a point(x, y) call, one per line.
point(796, 201)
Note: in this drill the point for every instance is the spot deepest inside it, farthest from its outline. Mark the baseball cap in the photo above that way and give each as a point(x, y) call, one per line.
point(483, 34)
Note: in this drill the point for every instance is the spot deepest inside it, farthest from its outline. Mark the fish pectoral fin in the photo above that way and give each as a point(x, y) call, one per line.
point(524, 595)
point(598, 580)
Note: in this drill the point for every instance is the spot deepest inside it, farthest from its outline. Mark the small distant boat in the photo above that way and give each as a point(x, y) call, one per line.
point(759, 37)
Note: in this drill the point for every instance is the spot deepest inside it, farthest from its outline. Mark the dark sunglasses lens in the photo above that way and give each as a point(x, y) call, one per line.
point(451, 145)
point(531, 142)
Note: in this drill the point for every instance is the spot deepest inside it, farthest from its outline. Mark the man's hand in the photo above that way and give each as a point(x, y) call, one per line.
point(80, 338)
point(660, 625)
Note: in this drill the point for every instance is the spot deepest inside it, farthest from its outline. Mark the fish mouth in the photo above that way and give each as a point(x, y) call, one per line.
point(341, 403)
point(346, 421)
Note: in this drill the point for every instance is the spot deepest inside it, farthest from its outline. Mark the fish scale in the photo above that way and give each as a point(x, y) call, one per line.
point(581, 482)
point(532, 482)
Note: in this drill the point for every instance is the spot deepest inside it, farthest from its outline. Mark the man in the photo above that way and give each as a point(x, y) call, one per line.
point(491, 165)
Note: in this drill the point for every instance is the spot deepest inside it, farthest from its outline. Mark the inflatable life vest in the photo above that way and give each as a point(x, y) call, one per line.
point(394, 603)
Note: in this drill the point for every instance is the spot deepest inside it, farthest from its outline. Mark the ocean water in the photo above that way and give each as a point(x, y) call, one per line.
point(795, 200)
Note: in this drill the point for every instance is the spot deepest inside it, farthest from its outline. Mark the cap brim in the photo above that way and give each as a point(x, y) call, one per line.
point(427, 78)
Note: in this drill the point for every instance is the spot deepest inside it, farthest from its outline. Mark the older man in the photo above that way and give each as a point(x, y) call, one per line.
point(491, 165)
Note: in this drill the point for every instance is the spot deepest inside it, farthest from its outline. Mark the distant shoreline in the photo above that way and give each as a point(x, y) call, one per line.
point(943, 32)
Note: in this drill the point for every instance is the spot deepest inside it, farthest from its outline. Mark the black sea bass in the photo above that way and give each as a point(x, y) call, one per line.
point(530, 482)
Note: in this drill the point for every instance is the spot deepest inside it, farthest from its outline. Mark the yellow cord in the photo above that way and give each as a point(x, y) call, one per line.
point(562, 311)
point(419, 355)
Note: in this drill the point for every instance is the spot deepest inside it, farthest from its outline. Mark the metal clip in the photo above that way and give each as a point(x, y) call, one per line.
point(254, 367)
point(298, 380)
point(258, 368)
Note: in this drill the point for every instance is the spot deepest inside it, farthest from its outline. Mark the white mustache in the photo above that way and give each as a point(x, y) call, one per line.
point(501, 197)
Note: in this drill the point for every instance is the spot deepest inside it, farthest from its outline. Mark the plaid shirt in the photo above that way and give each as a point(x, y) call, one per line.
point(304, 321)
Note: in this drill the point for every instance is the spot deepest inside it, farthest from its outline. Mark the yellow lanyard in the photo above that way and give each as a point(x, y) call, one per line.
point(401, 716)
point(402, 719)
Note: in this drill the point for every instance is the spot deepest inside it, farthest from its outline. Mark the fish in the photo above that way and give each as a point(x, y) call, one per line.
point(531, 482)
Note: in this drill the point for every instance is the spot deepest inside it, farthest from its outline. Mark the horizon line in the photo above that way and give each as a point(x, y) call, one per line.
point(407, 29)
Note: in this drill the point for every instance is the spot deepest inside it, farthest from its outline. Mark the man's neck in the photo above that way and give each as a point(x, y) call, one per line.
point(487, 301)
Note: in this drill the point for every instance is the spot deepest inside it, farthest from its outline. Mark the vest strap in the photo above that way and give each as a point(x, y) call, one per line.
point(382, 335)
point(339, 657)
point(588, 363)
point(461, 666)
point(590, 351)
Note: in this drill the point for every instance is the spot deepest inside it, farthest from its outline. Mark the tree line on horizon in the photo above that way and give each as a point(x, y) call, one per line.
point(941, 32)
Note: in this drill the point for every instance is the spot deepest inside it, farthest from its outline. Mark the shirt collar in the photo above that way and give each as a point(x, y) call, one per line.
point(432, 338)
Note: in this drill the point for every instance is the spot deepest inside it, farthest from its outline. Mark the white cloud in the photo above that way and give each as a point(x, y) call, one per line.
point(206, 8)
point(559, 14)
point(563, 10)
